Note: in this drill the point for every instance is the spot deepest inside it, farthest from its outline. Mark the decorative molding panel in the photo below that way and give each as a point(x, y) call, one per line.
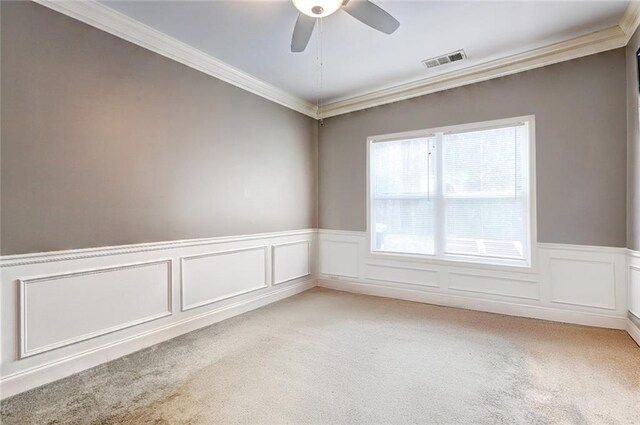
point(291, 260)
point(634, 289)
point(40, 374)
point(339, 258)
point(494, 285)
point(589, 283)
point(572, 283)
point(63, 309)
point(79, 308)
point(402, 274)
point(479, 304)
point(106, 251)
point(633, 331)
point(102, 17)
point(215, 276)
point(93, 13)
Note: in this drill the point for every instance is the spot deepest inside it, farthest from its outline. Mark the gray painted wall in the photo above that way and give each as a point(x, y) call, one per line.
point(106, 143)
point(633, 146)
point(580, 143)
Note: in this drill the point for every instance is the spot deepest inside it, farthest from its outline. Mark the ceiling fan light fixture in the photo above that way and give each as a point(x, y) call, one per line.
point(317, 8)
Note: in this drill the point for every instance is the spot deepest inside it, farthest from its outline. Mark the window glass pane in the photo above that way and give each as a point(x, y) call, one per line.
point(401, 167)
point(487, 228)
point(403, 225)
point(485, 193)
point(402, 180)
point(475, 206)
point(483, 163)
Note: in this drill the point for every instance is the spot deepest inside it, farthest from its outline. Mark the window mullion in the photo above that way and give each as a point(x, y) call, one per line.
point(439, 200)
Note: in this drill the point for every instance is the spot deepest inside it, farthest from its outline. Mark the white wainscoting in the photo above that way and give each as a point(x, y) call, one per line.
point(340, 254)
point(62, 309)
point(215, 276)
point(291, 261)
point(634, 283)
point(634, 294)
point(569, 283)
point(634, 331)
point(131, 297)
point(64, 312)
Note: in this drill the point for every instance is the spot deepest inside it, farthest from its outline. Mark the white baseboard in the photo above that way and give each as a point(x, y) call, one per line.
point(568, 283)
point(49, 372)
point(64, 312)
point(157, 291)
point(486, 305)
point(634, 331)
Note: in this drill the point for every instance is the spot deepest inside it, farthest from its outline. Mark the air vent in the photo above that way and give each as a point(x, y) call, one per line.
point(445, 59)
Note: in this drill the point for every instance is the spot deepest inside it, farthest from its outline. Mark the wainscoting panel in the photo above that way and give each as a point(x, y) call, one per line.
point(583, 282)
point(215, 276)
point(408, 275)
point(63, 309)
point(494, 285)
point(568, 283)
point(634, 288)
point(339, 257)
point(291, 261)
point(63, 312)
point(633, 302)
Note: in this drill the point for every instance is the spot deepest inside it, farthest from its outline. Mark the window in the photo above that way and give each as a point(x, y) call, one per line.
point(457, 193)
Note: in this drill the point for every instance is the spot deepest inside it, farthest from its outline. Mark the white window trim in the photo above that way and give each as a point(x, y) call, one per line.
point(468, 261)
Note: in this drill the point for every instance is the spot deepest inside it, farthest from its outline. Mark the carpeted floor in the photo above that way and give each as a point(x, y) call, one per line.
point(327, 357)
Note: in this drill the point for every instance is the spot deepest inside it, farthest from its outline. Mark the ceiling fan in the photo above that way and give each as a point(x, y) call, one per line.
point(363, 10)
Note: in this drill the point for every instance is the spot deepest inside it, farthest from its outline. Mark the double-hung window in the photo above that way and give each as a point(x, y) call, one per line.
point(460, 193)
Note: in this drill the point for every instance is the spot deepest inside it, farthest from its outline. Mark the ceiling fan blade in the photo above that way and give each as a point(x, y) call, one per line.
point(372, 15)
point(302, 32)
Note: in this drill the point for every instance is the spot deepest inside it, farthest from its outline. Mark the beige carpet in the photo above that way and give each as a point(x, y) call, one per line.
point(327, 357)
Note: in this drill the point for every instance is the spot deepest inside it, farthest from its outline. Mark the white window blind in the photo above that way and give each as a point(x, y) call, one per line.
point(459, 195)
point(403, 209)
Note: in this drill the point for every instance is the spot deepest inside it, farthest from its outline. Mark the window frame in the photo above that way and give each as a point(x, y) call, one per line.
point(529, 264)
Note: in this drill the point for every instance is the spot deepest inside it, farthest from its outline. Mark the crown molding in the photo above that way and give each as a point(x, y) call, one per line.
point(630, 19)
point(589, 44)
point(106, 19)
point(610, 38)
point(102, 17)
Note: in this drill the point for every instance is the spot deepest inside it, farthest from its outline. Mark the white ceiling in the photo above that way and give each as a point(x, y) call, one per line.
point(255, 36)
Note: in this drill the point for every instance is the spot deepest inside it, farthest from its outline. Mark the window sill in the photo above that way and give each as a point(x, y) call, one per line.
point(474, 263)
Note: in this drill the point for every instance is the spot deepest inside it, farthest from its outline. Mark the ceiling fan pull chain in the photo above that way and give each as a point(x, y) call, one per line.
point(320, 71)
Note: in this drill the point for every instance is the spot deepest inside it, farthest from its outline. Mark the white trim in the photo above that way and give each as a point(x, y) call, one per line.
point(24, 351)
point(530, 261)
point(102, 17)
point(630, 19)
point(183, 260)
point(583, 248)
point(477, 304)
point(75, 254)
point(600, 41)
point(93, 348)
point(106, 19)
point(485, 284)
point(613, 286)
point(356, 233)
point(402, 268)
point(633, 331)
point(273, 261)
point(506, 279)
point(74, 363)
point(631, 304)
